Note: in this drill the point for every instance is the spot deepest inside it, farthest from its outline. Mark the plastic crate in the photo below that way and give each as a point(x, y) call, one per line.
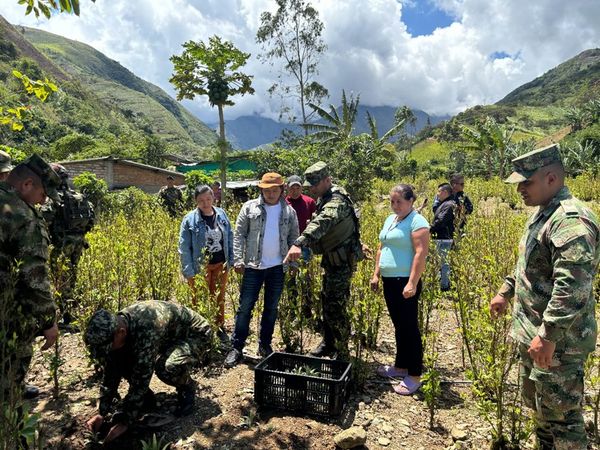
point(324, 395)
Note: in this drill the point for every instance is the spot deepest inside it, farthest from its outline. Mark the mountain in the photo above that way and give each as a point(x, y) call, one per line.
point(102, 94)
point(572, 82)
point(247, 132)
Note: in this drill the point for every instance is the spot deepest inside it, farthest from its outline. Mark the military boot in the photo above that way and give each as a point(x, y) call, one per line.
point(186, 397)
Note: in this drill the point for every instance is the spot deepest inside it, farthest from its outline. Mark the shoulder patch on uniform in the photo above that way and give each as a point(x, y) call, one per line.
point(567, 231)
point(569, 207)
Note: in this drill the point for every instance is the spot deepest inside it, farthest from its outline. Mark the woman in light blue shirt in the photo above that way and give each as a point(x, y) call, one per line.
point(400, 262)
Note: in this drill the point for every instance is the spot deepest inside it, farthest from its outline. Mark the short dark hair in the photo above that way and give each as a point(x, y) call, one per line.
point(21, 172)
point(456, 177)
point(445, 187)
point(203, 189)
point(406, 191)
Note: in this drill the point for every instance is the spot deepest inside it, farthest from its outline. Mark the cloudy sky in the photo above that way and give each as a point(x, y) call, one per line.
point(440, 56)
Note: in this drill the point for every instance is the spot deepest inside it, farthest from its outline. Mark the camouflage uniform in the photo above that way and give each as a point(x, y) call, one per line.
point(553, 289)
point(68, 243)
point(26, 303)
point(172, 199)
point(333, 232)
point(161, 336)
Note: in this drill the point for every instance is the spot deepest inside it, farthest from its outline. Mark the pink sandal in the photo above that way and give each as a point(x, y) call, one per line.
point(391, 372)
point(407, 387)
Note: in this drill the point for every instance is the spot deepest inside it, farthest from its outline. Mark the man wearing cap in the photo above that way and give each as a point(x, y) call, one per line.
point(553, 307)
point(265, 229)
point(143, 338)
point(304, 206)
point(68, 220)
point(334, 232)
point(171, 197)
point(26, 304)
point(5, 165)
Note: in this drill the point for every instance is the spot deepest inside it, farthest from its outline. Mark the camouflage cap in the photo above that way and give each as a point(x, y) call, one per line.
point(60, 170)
point(526, 165)
point(100, 332)
point(5, 162)
point(50, 179)
point(315, 173)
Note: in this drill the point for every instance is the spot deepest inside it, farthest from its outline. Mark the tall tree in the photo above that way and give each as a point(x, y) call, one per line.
point(293, 34)
point(212, 69)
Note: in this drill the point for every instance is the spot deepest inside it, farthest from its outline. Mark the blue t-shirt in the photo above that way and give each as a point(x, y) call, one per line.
point(397, 251)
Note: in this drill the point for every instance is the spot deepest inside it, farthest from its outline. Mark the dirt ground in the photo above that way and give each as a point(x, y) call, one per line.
point(226, 416)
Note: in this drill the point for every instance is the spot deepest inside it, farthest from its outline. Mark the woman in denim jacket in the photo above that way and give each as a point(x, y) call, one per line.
point(206, 233)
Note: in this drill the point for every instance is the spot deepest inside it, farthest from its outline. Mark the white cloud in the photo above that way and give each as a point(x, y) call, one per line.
point(369, 50)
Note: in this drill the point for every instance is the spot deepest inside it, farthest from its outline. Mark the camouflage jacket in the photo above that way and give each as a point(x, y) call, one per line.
point(63, 233)
point(23, 263)
point(553, 280)
point(170, 196)
point(152, 328)
point(334, 227)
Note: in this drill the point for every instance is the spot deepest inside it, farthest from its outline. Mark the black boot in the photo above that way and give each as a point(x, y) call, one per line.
point(186, 397)
point(30, 391)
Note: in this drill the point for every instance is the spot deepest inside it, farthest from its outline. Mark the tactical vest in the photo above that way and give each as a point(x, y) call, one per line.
point(342, 241)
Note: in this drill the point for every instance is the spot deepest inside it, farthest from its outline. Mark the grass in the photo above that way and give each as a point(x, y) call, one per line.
point(430, 149)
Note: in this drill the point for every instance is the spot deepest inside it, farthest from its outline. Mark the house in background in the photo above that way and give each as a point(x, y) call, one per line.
point(122, 173)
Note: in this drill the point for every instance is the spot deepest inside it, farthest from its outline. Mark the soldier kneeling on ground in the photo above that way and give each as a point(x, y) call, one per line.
point(134, 343)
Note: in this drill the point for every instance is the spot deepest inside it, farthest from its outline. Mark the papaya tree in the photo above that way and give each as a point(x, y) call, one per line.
point(213, 70)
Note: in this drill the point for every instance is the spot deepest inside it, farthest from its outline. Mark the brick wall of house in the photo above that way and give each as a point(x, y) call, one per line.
point(147, 179)
point(101, 168)
point(119, 175)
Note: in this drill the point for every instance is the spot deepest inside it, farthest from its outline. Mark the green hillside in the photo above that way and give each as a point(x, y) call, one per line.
point(99, 99)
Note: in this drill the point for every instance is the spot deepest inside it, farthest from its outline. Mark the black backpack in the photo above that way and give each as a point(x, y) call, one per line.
point(78, 212)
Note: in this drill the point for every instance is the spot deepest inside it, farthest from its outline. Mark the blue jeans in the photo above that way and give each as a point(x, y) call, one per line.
point(443, 247)
point(252, 281)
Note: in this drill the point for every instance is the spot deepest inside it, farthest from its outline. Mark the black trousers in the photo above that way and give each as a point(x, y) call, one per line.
point(404, 315)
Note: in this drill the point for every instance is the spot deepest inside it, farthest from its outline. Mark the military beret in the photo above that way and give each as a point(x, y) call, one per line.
point(49, 178)
point(5, 162)
point(100, 332)
point(526, 165)
point(315, 173)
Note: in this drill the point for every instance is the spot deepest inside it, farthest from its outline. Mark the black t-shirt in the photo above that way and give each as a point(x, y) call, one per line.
point(214, 240)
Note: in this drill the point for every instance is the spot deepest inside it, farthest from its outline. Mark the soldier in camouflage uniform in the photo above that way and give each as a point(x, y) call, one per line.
point(67, 226)
point(334, 233)
point(26, 305)
point(5, 165)
point(171, 197)
point(553, 311)
point(134, 343)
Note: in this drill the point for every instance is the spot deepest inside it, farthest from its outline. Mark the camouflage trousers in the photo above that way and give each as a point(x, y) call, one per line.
point(63, 263)
point(335, 293)
point(14, 366)
point(555, 395)
point(173, 366)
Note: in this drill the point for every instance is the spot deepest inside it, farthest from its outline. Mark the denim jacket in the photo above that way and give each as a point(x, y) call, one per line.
point(192, 240)
point(250, 232)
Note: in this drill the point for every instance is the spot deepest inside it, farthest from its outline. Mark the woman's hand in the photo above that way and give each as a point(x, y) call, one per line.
point(409, 290)
point(375, 283)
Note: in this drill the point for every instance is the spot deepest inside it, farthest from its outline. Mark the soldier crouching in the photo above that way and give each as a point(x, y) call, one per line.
point(144, 338)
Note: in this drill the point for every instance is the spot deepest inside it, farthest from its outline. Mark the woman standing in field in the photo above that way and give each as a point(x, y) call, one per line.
point(400, 262)
point(206, 233)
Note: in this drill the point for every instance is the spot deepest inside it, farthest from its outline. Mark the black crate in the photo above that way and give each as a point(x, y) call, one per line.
point(324, 395)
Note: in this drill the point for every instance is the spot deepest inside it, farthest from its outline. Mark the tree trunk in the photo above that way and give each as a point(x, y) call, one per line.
point(223, 162)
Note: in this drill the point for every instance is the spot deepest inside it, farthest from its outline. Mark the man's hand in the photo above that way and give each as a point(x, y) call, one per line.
point(293, 254)
point(50, 335)
point(95, 423)
point(375, 283)
point(239, 269)
point(367, 252)
point(498, 306)
point(116, 431)
point(541, 351)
